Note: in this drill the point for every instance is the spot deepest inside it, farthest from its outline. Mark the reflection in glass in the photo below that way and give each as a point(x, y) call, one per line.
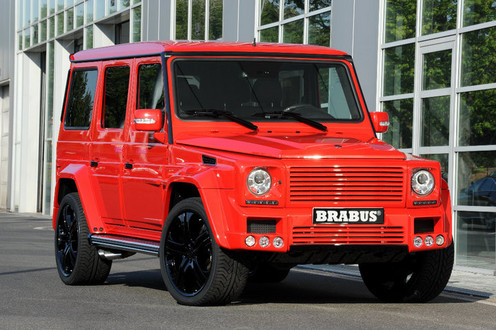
point(435, 121)
point(181, 19)
point(89, 11)
point(100, 9)
point(151, 87)
point(20, 37)
point(116, 90)
point(319, 4)
point(51, 27)
point(477, 120)
point(438, 16)
point(198, 20)
point(27, 12)
point(60, 4)
point(44, 7)
point(270, 34)
point(80, 15)
point(319, 29)
point(89, 37)
point(399, 69)
point(293, 8)
point(34, 10)
point(43, 31)
point(293, 32)
point(81, 99)
point(270, 11)
point(477, 178)
point(478, 60)
point(215, 20)
point(437, 70)
point(27, 38)
point(47, 194)
point(475, 239)
point(70, 20)
point(401, 18)
point(443, 160)
point(35, 34)
point(52, 6)
point(477, 11)
point(400, 113)
point(112, 5)
point(137, 24)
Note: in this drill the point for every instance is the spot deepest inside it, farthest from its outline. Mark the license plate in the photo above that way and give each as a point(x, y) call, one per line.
point(355, 216)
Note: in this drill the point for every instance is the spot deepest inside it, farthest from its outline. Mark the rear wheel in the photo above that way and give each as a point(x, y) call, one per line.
point(196, 271)
point(77, 261)
point(419, 278)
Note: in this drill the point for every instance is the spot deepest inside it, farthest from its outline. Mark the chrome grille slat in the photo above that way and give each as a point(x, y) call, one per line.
point(348, 235)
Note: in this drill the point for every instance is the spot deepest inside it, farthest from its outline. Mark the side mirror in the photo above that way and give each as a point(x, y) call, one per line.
point(380, 120)
point(149, 120)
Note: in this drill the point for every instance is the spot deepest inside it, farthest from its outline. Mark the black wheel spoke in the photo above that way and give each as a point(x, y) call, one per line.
point(202, 241)
point(175, 248)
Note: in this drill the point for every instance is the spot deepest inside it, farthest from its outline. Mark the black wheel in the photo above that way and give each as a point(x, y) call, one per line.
point(77, 261)
point(419, 278)
point(269, 273)
point(196, 271)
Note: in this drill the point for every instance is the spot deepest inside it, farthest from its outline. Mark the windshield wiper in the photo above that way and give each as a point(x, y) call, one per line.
point(297, 116)
point(222, 113)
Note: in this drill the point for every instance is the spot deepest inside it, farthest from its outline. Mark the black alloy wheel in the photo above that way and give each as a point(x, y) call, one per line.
point(67, 239)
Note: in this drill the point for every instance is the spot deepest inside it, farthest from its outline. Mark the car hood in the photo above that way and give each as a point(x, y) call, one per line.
point(286, 147)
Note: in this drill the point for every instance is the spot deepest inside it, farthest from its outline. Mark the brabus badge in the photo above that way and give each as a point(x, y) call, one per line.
point(348, 216)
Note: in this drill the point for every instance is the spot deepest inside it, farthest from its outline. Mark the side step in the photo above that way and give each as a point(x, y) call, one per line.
point(123, 243)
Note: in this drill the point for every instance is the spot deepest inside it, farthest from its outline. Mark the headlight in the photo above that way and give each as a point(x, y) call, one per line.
point(422, 182)
point(259, 182)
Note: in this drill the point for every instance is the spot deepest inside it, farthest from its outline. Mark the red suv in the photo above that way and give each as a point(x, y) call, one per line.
point(238, 161)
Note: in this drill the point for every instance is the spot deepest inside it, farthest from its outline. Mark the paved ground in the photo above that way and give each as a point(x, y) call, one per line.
point(33, 297)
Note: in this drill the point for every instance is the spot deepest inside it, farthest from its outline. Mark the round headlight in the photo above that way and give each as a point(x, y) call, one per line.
point(422, 182)
point(259, 181)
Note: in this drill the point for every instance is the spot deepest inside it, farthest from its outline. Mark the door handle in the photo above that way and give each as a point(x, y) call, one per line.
point(128, 166)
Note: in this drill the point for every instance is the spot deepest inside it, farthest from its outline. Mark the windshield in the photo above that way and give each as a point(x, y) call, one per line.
point(264, 90)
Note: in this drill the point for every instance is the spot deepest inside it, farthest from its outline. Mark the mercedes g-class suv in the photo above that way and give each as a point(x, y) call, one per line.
point(232, 161)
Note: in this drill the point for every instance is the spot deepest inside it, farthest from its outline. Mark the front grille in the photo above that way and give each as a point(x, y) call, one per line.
point(358, 234)
point(346, 184)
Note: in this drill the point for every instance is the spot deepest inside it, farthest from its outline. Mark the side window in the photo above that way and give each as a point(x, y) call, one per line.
point(81, 98)
point(116, 90)
point(150, 87)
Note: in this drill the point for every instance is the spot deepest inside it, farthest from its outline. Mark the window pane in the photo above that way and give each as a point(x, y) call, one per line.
point(438, 16)
point(437, 70)
point(27, 38)
point(27, 12)
point(319, 29)
point(52, 6)
point(79, 15)
point(477, 178)
point(48, 175)
point(181, 19)
point(34, 10)
point(198, 20)
point(35, 34)
point(89, 37)
point(51, 27)
point(319, 4)
point(50, 70)
point(477, 119)
point(70, 20)
point(475, 239)
point(137, 24)
point(478, 60)
point(151, 87)
point(477, 11)
point(43, 31)
point(44, 5)
point(124, 3)
point(435, 121)
point(215, 20)
point(81, 98)
point(270, 35)
point(400, 113)
point(60, 24)
point(293, 8)
point(60, 4)
point(89, 11)
point(100, 9)
point(112, 5)
point(293, 32)
point(270, 11)
point(443, 160)
point(401, 17)
point(116, 87)
point(399, 69)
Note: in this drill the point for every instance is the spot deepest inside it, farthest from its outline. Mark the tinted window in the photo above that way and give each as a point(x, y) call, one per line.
point(150, 87)
point(81, 98)
point(115, 103)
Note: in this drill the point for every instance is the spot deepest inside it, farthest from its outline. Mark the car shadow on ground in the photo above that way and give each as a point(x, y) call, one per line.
point(300, 287)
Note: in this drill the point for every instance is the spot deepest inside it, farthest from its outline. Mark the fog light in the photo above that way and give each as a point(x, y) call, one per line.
point(250, 241)
point(278, 242)
point(440, 240)
point(429, 241)
point(264, 241)
point(417, 241)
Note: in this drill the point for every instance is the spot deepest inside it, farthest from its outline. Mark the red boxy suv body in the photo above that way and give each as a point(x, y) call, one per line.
point(238, 161)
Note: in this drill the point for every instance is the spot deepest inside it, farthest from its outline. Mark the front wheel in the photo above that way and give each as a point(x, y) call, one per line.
point(419, 278)
point(196, 271)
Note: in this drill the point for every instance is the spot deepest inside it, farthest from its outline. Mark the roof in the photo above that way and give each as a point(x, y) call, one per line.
point(140, 49)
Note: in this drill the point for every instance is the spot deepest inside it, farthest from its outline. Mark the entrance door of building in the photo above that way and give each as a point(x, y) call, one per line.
point(435, 103)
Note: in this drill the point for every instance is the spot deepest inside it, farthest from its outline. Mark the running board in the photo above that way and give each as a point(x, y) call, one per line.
point(125, 243)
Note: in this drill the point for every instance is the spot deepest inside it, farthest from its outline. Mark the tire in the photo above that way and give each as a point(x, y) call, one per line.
point(77, 261)
point(269, 273)
point(195, 270)
point(421, 277)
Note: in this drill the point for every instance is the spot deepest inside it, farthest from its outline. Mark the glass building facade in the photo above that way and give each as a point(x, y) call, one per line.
point(428, 63)
point(438, 86)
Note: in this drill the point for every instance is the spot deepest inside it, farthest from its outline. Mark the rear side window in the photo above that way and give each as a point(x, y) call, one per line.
point(115, 104)
point(81, 98)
